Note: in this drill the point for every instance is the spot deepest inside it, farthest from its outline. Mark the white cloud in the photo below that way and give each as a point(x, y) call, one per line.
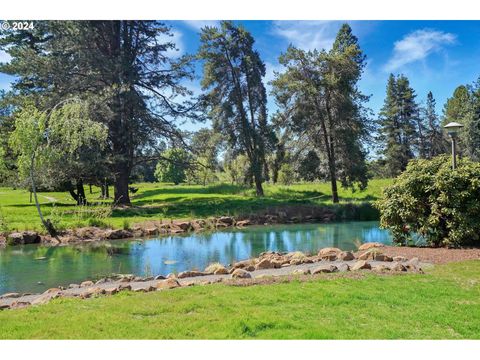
point(199, 24)
point(4, 57)
point(308, 35)
point(417, 46)
point(176, 38)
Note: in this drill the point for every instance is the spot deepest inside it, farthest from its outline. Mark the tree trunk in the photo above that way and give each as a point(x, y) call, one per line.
point(81, 197)
point(121, 195)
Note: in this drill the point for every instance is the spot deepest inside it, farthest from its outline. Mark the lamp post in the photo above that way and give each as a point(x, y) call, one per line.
point(452, 130)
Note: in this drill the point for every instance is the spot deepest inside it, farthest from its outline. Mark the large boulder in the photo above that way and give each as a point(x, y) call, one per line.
point(346, 256)
point(360, 265)
point(216, 269)
point(324, 269)
point(227, 220)
point(241, 274)
point(117, 234)
point(188, 274)
point(370, 245)
point(23, 237)
point(264, 264)
point(374, 254)
point(168, 284)
point(329, 253)
point(185, 225)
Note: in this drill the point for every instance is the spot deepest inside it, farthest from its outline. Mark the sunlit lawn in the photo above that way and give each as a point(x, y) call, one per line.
point(442, 304)
point(164, 201)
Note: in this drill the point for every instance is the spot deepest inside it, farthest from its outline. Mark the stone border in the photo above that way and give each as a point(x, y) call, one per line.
point(284, 215)
point(267, 266)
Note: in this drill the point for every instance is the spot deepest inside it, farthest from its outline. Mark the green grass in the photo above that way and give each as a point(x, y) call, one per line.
point(163, 201)
point(442, 304)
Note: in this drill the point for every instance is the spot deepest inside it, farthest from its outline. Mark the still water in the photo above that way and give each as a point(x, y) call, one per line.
point(33, 268)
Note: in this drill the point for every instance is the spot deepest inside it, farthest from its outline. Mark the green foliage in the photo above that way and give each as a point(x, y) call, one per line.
point(319, 100)
point(173, 166)
point(434, 201)
point(286, 175)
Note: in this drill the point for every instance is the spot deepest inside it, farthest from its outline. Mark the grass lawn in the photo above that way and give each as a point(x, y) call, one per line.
point(163, 201)
point(442, 304)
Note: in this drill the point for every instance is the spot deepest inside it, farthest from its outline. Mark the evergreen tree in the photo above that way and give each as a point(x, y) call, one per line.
point(319, 100)
point(236, 98)
point(398, 122)
point(434, 141)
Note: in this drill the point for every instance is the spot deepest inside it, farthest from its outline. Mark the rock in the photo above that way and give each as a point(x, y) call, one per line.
point(150, 231)
point(168, 284)
point(324, 269)
point(87, 283)
point(346, 256)
point(264, 264)
point(4, 306)
point(159, 277)
point(414, 261)
point(361, 264)
point(19, 304)
point(188, 274)
point(380, 268)
point(374, 254)
point(370, 245)
point(52, 290)
point(101, 281)
point(226, 220)
point(171, 276)
point(300, 272)
point(23, 237)
point(117, 234)
point(185, 226)
point(329, 254)
point(73, 286)
point(243, 264)
point(91, 292)
point(398, 267)
point(111, 290)
point(147, 288)
point(11, 295)
point(399, 258)
point(216, 268)
point(342, 267)
point(124, 287)
point(46, 297)
point(382, 257)
point(148, 278)
point(126, 278)
point(243, 223)
point(241, 274)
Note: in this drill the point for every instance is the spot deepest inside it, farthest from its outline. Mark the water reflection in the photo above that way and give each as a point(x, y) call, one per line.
point(34, 268)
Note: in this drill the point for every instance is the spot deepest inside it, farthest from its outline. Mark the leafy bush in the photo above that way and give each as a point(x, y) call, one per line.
point(286, 174)
point(432, 200)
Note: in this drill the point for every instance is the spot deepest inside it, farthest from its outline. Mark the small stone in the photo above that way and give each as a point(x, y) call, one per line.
point(185, 226)
point(171, 276)
point(73, 286)
point(346, 256)
point(101, 281)
point(159, 277)
point(221, 271)
point(226, 220)
point(301, 272)
point(414, 261)
point(382, 257)
point(361, 264)
point(124, 287)
point(19, 304)
point(329, 251)
point(250, 268)
point(92, 292)
point(87, 283)
point(241, 274)
point(52, 290)
point(370, 245)
point(46, 297)
point(399, 258)
point(216, 268)
point(324, 269)
point(243, 223)
point(170, 283)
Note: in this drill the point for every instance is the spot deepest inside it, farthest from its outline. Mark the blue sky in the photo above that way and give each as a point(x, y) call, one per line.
point(436, 56)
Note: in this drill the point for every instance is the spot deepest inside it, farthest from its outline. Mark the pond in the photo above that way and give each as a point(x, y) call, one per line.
point(34, 268)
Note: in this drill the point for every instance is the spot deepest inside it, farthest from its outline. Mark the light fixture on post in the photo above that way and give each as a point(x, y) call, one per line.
point(452, 130)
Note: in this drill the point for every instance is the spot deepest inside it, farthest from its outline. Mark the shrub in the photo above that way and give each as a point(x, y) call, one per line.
point(286, 174)
point(432, 200)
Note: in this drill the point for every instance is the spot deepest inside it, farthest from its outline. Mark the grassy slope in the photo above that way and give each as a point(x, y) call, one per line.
point(443, 304)
point(160, 201)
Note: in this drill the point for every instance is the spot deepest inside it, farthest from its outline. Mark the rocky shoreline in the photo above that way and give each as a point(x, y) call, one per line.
point(268, 266)
point(285, 215)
